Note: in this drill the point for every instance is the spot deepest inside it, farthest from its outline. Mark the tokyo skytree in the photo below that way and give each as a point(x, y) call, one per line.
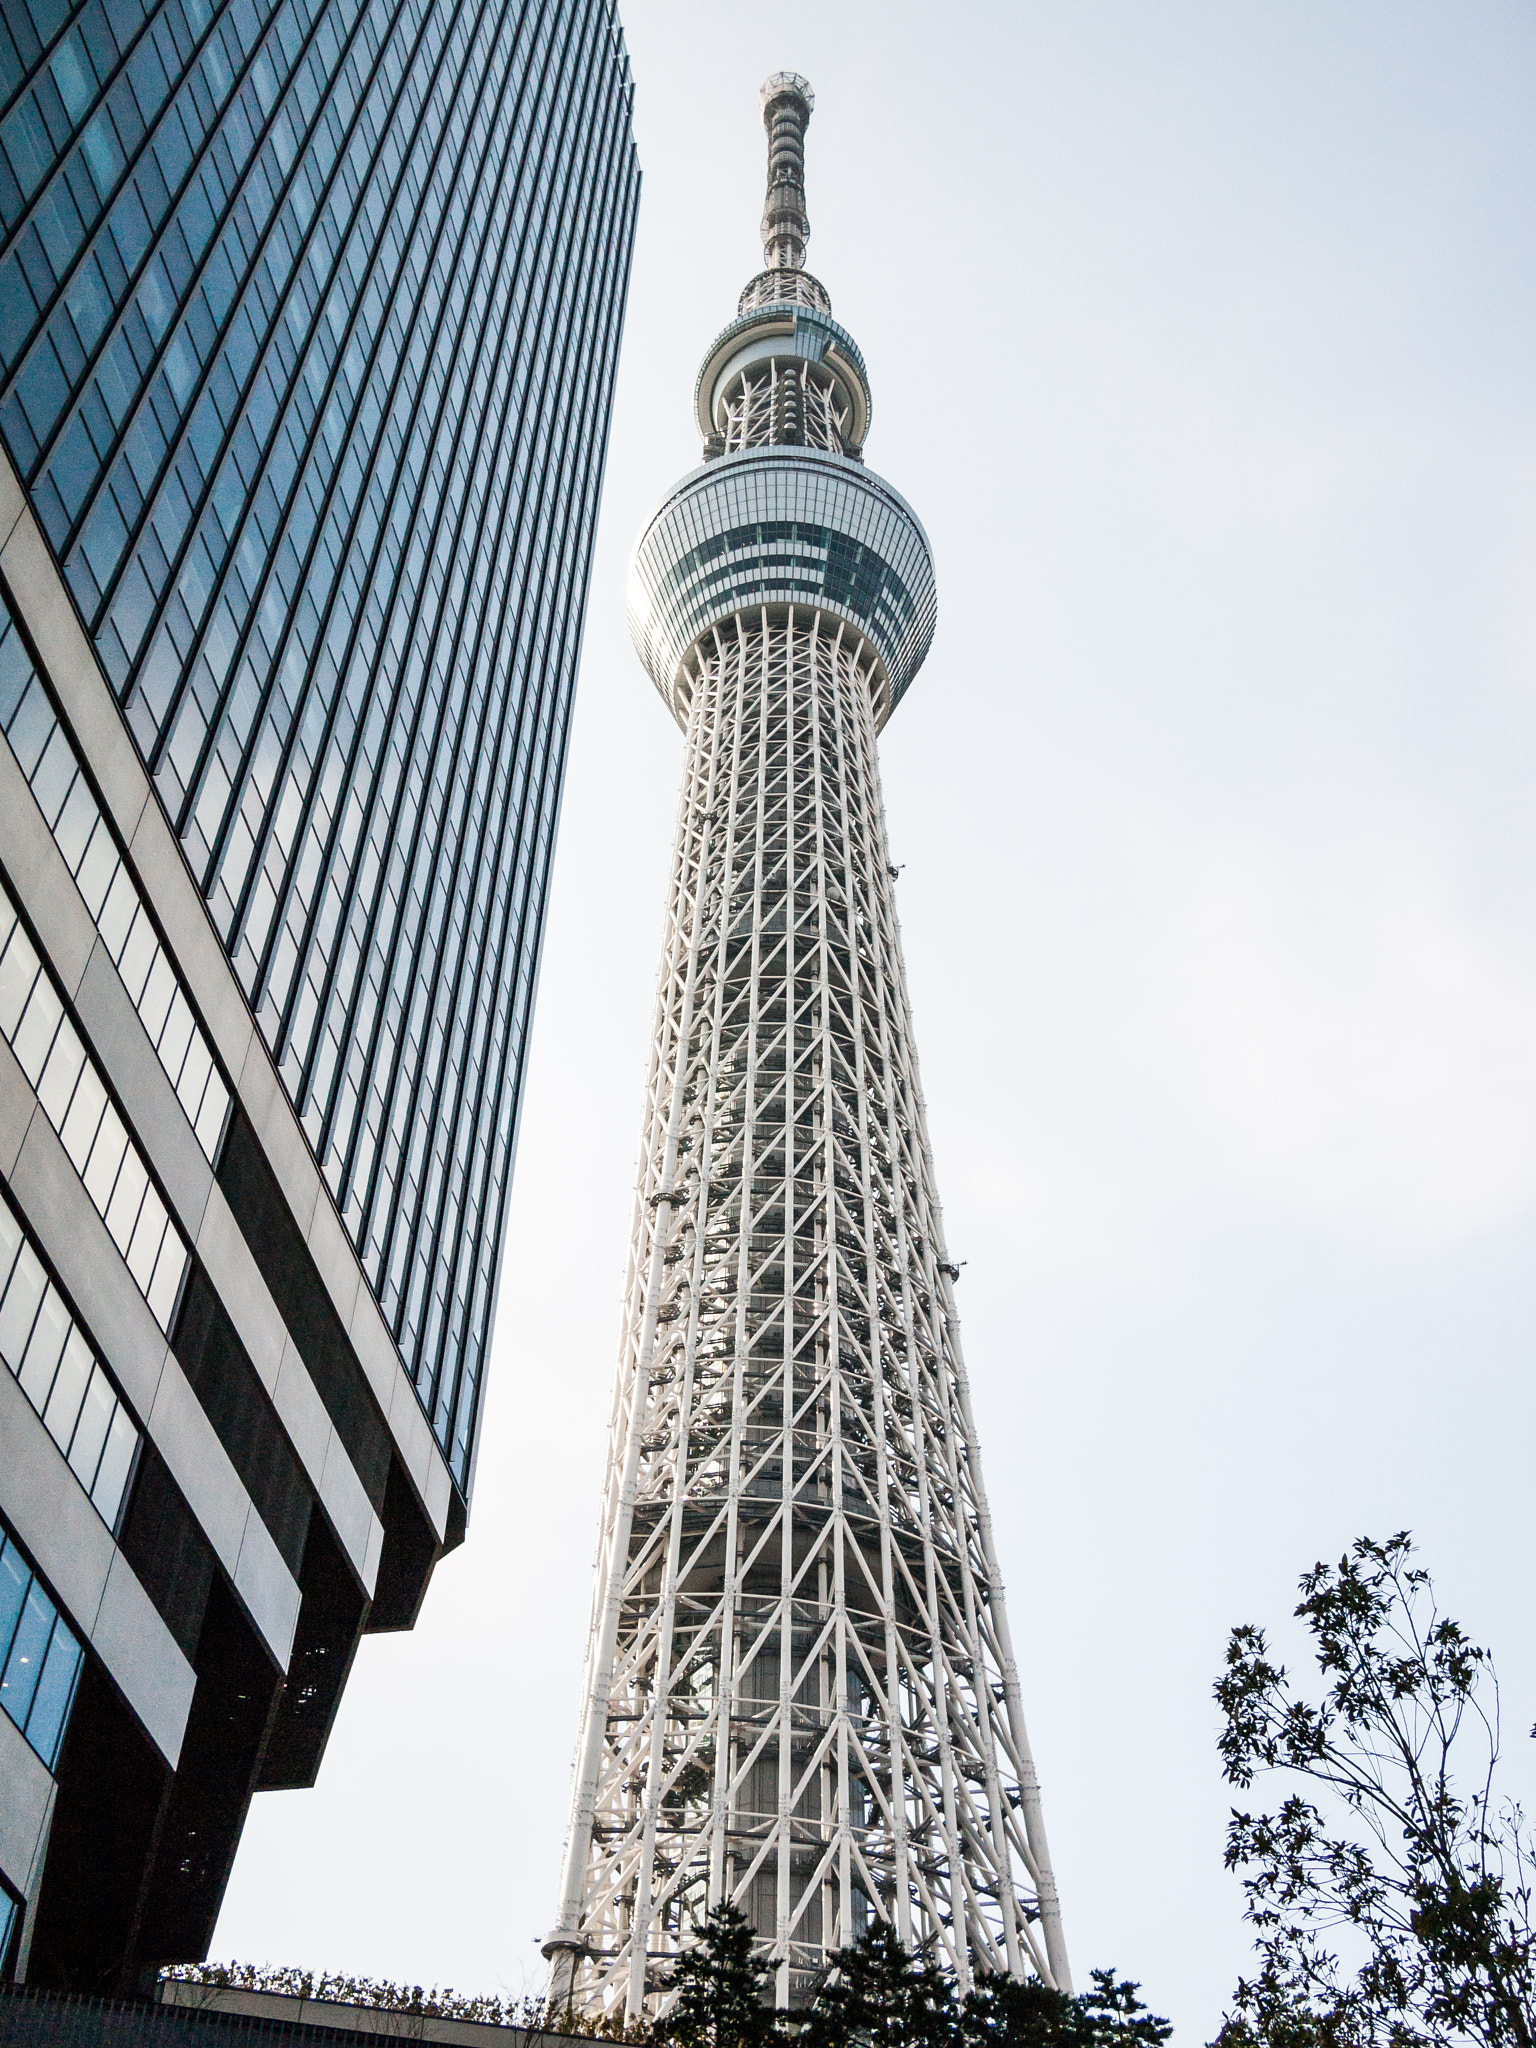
point(801, 1696)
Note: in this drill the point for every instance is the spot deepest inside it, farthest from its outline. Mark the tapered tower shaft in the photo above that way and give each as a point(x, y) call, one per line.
point(801, 1694)
point(786, 102)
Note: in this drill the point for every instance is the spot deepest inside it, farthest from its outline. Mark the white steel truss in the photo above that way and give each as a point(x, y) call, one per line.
point(784, 288)
point(784, 403)
point(801, 1695)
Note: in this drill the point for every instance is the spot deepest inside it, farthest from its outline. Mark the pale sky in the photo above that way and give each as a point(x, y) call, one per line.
point(1201, 334)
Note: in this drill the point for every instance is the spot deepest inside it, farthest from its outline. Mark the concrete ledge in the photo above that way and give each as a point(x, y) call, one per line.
point(163, 1683)
point(46, 1189)
point(26, 1807)
point(372, 2020)
point(18, 1106)
point(236, 1278)
point(47, 1507)
point(59, 637)
point(115, 1033)
point(102, 1599)
point(39, 879)
point(12, 503)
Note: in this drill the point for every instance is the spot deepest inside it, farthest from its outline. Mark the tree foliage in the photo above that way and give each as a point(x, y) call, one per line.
point(722, 1989)
point(1112, 2016)
point(878, 1992)
point(1004, 2013)
point(1391, 1904)
point(1007, 2012)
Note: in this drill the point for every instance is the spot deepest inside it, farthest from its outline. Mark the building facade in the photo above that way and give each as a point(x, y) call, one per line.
point(309, 312)
point(801, 1697)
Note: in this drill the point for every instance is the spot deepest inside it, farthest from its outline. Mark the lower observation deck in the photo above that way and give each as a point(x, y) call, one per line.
point(782, 527)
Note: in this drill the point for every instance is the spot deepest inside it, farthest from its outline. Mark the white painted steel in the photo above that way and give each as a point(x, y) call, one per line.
point(801, 1693)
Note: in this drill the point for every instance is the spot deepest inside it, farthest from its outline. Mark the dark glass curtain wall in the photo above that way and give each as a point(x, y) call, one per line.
point(308, 318)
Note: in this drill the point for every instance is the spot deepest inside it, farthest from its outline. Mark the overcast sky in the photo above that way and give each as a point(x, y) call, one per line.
point(1201, 335)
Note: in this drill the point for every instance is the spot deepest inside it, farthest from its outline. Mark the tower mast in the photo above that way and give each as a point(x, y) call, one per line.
point(801, 1695)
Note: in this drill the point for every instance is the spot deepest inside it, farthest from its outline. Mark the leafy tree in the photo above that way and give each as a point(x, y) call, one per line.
point(721, 1989)
point(1426, 1885)
point(879, 1994)
point(1004, 2013)
point(1112, 2016)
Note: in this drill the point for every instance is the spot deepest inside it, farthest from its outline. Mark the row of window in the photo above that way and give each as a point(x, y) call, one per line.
point(326, 491)
point(68, 803)
point(277, 280)
point(64, 151)
point(429, 843)
point(74, 1097)
point(183, 359)
point(451, 601)
point(39, 1654)
point(403, 1079)
point(58, 1371)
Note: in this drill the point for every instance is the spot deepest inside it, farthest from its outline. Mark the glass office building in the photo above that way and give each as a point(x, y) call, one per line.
point(309, 312)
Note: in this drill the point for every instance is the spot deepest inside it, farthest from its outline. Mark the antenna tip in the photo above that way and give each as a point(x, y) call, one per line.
point(780, 84)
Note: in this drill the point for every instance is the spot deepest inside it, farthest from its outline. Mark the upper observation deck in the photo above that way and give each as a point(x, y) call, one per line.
point(779, 331)
point(778, 527)
point(783, 514)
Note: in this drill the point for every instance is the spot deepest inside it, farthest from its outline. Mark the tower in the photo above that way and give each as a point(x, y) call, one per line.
point(309, 311)
point(801, 1694)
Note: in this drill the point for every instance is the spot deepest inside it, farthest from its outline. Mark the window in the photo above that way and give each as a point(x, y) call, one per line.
point(74, 1097)
point(58, 1370)
point(82, 834)
point(39, 1655)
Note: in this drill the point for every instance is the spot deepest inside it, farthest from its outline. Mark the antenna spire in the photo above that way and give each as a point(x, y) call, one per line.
point(786, 100)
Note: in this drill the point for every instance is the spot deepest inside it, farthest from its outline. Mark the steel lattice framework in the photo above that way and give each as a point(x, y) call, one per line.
point(801, 1692)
